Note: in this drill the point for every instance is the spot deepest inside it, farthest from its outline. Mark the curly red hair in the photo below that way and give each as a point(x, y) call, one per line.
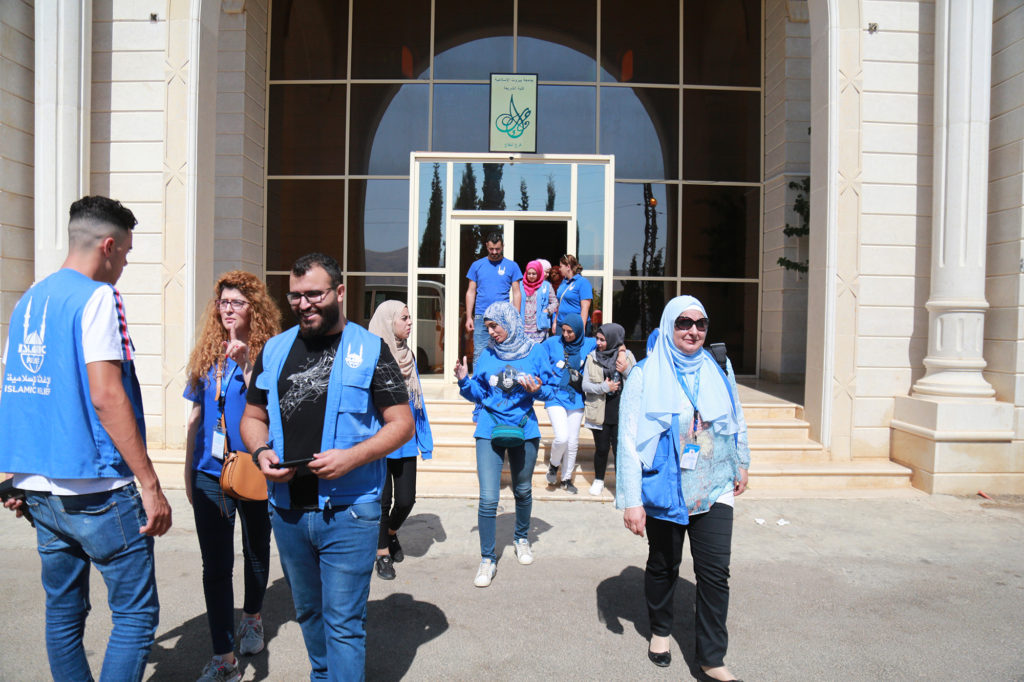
point(264, 322)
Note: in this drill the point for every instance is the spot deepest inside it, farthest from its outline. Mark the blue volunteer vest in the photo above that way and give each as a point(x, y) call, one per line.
point(47, 419)
point(350, 416)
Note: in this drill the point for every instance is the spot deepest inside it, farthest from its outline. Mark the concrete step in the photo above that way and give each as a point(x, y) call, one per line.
point(448, 409)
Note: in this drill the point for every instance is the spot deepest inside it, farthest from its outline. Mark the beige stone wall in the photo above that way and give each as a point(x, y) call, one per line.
point(241, 97)
point(1004, 324)
point(787, 159)
point(17, 239)
point(127, 163)
point(892, 253)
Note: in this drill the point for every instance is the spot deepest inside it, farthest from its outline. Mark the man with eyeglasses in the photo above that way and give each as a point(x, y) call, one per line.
point(327, 402)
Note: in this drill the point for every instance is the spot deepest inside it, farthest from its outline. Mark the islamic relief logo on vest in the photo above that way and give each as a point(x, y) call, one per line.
point(501, 270)
point(353, 360)
point(32, 349)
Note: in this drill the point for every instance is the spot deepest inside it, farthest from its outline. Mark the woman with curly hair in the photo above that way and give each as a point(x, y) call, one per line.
point(238, 321)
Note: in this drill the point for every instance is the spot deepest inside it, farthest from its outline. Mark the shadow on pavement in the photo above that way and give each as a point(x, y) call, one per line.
point(621, 600)
point(506, 525)
point(181, 653)
point(419, 532)
point(395, 628)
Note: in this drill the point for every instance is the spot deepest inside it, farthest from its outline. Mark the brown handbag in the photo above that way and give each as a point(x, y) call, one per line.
point(239, 476)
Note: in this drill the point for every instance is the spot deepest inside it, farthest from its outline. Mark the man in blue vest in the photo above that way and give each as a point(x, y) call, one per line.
point(490, 279)
point(74, 440)
point(318, 429)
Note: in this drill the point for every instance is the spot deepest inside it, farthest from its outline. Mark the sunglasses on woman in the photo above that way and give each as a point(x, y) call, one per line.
point(684, 324)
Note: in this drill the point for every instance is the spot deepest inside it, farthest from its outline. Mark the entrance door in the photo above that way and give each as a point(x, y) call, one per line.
point(472, 238)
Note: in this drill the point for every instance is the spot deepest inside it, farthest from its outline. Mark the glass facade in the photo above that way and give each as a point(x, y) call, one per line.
point(671, 88)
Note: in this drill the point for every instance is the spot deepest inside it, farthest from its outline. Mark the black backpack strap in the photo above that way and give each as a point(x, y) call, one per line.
point(719, 353)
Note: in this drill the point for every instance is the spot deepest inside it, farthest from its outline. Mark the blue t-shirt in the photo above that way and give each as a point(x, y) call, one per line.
point(233, 386)
point(493, 281)
point(571, 292)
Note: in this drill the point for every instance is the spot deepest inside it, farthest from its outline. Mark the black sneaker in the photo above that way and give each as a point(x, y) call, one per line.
point(568, 487)
point(395, 548)
point(552, 475)
point(385, 567)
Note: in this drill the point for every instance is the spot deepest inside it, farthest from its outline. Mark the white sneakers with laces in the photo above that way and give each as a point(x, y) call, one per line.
point(485, 573)
point(523, 551)
point(596, 487)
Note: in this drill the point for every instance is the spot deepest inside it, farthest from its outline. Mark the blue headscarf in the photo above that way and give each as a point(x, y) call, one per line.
point(663, 395)
point(572, 349)
point(517, 344)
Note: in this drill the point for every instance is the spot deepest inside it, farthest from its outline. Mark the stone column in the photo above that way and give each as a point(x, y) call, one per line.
point(951, 431)
point(63, 80)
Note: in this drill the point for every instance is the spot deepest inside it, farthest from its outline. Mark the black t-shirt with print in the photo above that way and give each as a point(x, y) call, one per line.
point(302, 391)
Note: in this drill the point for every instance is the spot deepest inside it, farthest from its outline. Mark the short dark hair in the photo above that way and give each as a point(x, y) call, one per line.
point(330, 266)
point(105, 209)
point(495, 238)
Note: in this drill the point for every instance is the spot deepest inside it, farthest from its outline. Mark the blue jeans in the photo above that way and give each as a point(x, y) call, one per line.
point(214, 512)
point(480, 338)
point(489, 461)
point(73, 532)
point(327, 557)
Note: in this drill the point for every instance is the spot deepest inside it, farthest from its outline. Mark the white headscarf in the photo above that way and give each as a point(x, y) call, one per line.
point(663, 395)
point(383, 325)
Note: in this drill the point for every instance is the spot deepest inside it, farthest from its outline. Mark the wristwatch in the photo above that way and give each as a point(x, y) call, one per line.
point(256, 454)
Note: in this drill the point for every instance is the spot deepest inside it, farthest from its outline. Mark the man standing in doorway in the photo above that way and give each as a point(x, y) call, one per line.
point(329, 424)
point(490, 279)
point(75, 440)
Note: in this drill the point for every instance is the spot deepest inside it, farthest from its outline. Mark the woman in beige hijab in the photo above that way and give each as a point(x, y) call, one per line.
point(393, 323)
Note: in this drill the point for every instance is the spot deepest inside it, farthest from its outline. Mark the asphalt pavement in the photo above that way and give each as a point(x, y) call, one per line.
point(909, 587)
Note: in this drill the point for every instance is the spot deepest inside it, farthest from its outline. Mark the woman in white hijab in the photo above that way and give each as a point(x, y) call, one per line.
point(393, 323)
point(682, 459)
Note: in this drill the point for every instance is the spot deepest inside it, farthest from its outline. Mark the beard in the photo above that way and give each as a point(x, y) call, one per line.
point(329, 317)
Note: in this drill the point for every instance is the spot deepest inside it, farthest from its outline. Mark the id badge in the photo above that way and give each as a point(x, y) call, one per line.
point(689, 458)
point(560, 364)
point(217, 445)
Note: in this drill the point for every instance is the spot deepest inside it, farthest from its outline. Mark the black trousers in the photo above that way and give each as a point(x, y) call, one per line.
point(604, 440)
point(401, 479)
point(710, 546)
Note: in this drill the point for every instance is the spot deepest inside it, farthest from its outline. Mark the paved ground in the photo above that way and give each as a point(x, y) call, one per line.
point(915, 587)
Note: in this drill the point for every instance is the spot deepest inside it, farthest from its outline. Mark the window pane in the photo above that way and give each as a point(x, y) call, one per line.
point(640, 44)
point(303, 216)
point(460, 117)
point(596, 304)
point(721, 135)
point(277, 285)
point(309, 40)
point(432, 215)
point(732, 309)
point(641, 127)
point(568, 119)
point(641, 227)
point(363, 294)
point(429, 333)
point(638, 307)
point(472, 39)
point(378, 225)
point(306, 130)
point(722, 42)
point(385, 48)
point(536, 239)
point(557, 40)
point(388, 122)
point(590, 216)
point(720, 231)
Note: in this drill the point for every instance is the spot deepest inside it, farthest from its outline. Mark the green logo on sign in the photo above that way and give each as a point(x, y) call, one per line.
point(515, 122)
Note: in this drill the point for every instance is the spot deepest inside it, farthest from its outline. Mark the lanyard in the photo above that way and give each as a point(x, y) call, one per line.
point(222, 388)
point(692, 396)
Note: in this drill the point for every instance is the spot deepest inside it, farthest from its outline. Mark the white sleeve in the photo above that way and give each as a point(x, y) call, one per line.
point(104, 334)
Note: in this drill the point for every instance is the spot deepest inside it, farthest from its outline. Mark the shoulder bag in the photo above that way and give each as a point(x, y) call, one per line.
point(239, 476)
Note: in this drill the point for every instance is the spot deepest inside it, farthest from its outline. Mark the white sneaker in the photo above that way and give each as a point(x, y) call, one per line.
point(523, 551)
point(596, 487)
point(250, 637)
point(485, 573)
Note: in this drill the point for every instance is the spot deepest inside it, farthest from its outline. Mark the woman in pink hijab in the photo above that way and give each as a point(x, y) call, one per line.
point(538, 304)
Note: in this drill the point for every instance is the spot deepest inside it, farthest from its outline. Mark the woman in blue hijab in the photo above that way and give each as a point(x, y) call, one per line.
point(682, 459)
point(505, 382)
point(566, 354)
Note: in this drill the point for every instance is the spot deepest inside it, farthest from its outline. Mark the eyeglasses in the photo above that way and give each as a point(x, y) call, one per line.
point(684, 324)
point(235, 304)
point(311, 297)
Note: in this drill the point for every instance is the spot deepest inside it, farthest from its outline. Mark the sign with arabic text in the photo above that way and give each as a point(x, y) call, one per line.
point(513, 120)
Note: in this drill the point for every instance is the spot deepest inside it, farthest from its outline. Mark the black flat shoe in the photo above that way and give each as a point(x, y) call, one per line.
point(385, 567)
point(661, 659)
point(396, 549)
